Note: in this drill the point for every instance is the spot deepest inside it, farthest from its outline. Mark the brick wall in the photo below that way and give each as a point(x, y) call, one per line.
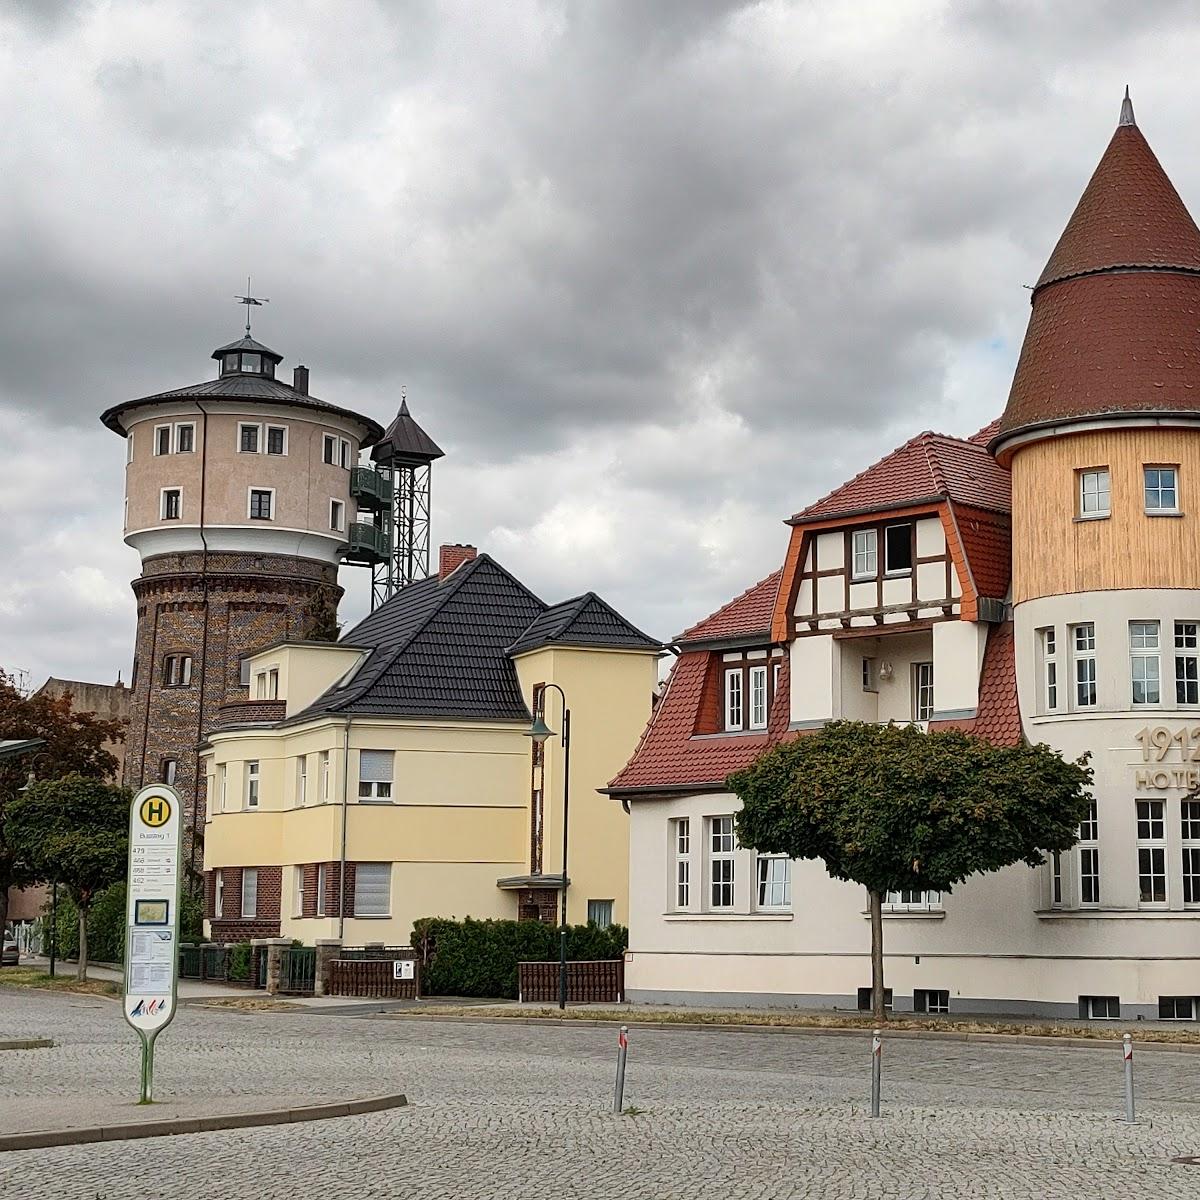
point(231, 926)
point(216, 611)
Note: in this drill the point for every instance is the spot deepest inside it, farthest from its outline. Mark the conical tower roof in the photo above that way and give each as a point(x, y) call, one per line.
point(1115, 327)
point(404, 441)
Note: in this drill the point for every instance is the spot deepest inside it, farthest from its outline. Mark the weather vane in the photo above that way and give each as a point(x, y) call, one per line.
point(249, 300)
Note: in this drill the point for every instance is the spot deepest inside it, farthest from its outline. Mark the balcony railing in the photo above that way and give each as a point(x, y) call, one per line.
point(365, 544)
point(370, 488)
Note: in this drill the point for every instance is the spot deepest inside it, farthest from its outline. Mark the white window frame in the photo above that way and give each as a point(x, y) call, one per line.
point(159, 430)
point(297, 892)
point(253, 783)
point(773, 882)
point(1048, 648)
point(266, 684)
point(344, 454)
point(722, 863)
point(735, 701)
point(922, 691)
point(595, 920)
point(337, 515)
point(870, 676)
point(1175, 1002)
point(1091, 1013)
point(129, 447)
point(864, 550)
point(681, 881)
point(759, 710)
point(1158, 491)
point(372, 789)
point(267, 431)
point(1088, 846)
point(1189, 837)
point(322, 887)
point(889, 571)
point(1145, 664)
point(250, 492)
point(329, 449)
point(912, 900)
point(1151, 818)
point(301, 780)
point(933, 1002)
point(162, 503)
point(1083, 660)
point(324, 775)
point(222, 782)
point(249, 911)
point(218, 894)
point(1187, 665)
point(1094, 494)
point(258, 437)
point(1056, 879)
point(358, 875)
point(181, 425)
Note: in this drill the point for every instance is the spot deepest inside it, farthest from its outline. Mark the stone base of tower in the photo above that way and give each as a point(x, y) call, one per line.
point(198, 616)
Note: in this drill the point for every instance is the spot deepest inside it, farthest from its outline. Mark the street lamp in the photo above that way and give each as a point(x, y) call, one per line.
point(540, 732)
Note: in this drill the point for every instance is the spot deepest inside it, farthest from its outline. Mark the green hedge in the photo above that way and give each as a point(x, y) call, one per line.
point(106, 924)
point(479, 958)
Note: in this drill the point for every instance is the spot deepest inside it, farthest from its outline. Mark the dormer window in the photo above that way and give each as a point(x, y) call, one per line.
point(252, 364)
point(749, 684)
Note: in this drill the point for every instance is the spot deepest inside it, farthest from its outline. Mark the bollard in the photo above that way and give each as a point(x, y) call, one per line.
point(622, 1051)
point(1127, 1046)
point(876, 1064)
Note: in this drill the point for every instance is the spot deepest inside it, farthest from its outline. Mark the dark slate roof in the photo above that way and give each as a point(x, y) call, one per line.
point(247, 343)
point(405, 441)
point(241, 387)
point(439, 649)
point(583, 621)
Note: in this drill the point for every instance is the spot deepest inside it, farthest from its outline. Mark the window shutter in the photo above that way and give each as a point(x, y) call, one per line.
point(372, 889)
point(376, 765)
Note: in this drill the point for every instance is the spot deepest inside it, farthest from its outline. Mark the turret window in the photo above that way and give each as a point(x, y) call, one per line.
point(262, 504)
point(1094, 492)
point(162, 439)
point(177, 670)
point(252, 364)
point(172, 503)
point(276, 439)
point(1187, 677)
point(1144, 674)
point(1162, 490)
point(185, 438)
point(1083, 641)
point(248, 439)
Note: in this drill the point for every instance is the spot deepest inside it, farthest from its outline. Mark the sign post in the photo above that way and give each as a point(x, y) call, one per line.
point(152, 919)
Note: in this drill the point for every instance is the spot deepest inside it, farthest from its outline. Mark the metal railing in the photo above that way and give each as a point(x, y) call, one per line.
point(369, 487)
point(298, 970)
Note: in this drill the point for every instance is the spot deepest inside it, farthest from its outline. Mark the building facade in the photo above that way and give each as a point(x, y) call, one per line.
point(1037, 580)
point(241, 500)
point(389, 776)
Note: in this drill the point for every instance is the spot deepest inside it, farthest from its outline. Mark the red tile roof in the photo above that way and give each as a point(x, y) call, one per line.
point(671, 756)
point(1115, 326)
point(998, 717)
point(981, 437)
point(928, 467)
point(747, 615)
point(987, 546)
point(1129, 215)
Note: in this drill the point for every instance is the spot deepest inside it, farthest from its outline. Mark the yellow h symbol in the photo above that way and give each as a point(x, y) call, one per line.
point(155, 811)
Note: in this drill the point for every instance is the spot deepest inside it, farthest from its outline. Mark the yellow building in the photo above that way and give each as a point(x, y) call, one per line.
point(390, 776)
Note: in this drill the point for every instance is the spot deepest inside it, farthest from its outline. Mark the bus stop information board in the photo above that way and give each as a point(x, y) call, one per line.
point(152, 918)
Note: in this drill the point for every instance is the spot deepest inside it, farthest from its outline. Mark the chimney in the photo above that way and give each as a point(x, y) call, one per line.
point(300, 380)
point(451, 557)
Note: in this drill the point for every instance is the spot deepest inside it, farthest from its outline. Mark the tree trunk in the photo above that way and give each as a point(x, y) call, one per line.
point(81, 970)
point(3, 908)
point(877, 1006)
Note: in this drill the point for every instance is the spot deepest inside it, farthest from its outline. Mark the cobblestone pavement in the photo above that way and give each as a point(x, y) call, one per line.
point(511, 1110)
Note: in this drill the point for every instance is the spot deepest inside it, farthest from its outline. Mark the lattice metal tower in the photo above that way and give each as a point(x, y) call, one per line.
point(405, 455)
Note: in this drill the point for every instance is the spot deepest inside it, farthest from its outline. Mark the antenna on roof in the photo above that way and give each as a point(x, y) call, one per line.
point(248, 300)
point(1126, 110)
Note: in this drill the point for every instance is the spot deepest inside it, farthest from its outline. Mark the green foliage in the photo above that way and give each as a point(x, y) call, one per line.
point(479, 958)
point(106, 924)
point(239, 962)
point(75, 830)
point(891, 807)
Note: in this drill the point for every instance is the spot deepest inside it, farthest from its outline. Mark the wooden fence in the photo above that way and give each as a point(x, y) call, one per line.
point(374, 977)
point(598, 982)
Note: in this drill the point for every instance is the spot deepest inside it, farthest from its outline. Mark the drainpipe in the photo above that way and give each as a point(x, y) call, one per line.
point(345, 810)
point(201, 674)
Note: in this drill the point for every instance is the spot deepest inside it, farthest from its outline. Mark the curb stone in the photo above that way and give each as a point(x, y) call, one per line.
point(39, 1139)
point(26, 1044)
point(947, 1035)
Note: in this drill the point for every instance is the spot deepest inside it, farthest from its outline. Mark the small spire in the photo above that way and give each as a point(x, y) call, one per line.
point(1126, 110)
point(404, 402)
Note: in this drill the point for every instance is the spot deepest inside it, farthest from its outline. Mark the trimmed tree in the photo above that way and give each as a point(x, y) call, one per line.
point(74, 830)
point(893, 808)
point(75, 742)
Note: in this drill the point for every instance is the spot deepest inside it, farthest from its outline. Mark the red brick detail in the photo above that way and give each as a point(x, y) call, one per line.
point(1129, 215)
point(671, 754)
point(249, 712)
point(450, 557)
point(746, 616)
point(538, 904)
point(231, 926)
point(998, 718)
point(926, 467)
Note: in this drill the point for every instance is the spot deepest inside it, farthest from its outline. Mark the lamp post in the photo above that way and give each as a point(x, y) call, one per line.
point(540, 732)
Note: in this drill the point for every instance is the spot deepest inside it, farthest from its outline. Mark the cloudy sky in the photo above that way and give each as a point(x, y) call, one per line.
point(655, 273)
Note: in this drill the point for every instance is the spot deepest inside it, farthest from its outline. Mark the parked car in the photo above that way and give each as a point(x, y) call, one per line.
point(11, 954)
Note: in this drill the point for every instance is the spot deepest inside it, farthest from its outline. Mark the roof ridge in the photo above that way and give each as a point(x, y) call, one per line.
point(862, 474)
point(595, 597)
point(932, 462)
